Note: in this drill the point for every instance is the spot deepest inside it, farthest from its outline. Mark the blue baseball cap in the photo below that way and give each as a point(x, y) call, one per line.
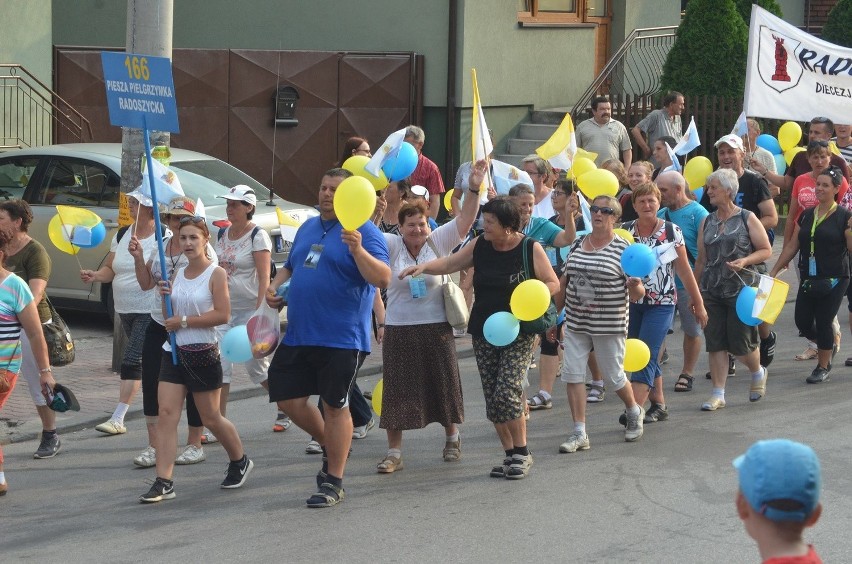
point(780, 479)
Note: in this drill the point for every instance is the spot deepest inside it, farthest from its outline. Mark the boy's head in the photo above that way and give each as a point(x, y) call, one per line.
point(780, 479)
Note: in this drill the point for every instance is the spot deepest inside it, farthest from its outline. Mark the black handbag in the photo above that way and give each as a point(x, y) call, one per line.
point(546, 321)
point(60, 345)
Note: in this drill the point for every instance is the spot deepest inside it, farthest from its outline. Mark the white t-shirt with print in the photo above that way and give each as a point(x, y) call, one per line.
point(127, 295)
point(402, 309)
point(237, 258)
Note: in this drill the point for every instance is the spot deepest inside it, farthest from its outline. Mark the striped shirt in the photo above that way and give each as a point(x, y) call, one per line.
point(15, 295)
point(596, 295)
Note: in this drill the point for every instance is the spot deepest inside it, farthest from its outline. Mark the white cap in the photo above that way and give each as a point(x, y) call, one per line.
point(141, 198)
point(733, 141)
point(242, 193)
point(421, 191)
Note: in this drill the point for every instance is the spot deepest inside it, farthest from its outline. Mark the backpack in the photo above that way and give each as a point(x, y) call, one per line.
point(273, 270)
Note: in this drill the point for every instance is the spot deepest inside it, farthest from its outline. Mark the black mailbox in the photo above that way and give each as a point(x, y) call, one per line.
point(286, 98)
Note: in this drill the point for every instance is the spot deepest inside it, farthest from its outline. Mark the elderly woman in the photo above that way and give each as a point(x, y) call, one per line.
point(18, 310)
point(498, 260)
point(552, 237)
point(651, 316)
point(730, 241)
point(132, 304)
point(596, 293)
point(28, 259)
point(421, 373)
point(823, 236)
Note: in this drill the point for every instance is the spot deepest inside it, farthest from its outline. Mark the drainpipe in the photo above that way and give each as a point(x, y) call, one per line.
point(452, 53)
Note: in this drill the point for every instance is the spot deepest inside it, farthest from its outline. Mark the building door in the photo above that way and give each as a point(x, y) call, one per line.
point(599, 12)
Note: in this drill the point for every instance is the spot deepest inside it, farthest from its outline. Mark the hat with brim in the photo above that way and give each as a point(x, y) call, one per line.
point(241, 193)
point(141, 198)
point(180, 206)
point(419, 190)
point(63, 399)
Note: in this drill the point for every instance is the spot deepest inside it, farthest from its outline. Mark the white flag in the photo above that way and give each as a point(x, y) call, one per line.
point(666, 252)
point(689, 141)
point(166, 182)
point(388, 149)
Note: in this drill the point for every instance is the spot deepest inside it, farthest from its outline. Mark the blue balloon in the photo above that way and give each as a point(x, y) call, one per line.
point(561, 317)
point(401, 163)
point(770, 143)
point(638, 260)
point(780, 164)
point(98, 235)
point(501, 328)
point(699, 193)
point(235, 345)
point(745, 303)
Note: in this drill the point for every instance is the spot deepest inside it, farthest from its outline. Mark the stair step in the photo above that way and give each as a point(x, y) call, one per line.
point(523, 146)
point(511, 159)
point(554, 116)
point(540, 131)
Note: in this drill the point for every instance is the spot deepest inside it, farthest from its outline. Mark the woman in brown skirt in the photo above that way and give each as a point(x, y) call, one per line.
point(421, 373)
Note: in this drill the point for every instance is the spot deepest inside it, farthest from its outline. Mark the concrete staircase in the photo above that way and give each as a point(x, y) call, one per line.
point(532, 135)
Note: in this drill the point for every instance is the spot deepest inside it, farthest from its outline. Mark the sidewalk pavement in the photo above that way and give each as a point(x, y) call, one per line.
point(94, 383)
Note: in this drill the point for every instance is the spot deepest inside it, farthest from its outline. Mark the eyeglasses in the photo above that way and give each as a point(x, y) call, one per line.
point(603, 210)
point(191, 219)
point(815, 144)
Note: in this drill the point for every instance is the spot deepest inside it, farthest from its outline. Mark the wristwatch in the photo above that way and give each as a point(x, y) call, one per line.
point(183, 322)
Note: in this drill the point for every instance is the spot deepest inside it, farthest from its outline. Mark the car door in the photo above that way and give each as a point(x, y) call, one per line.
point(81, 183)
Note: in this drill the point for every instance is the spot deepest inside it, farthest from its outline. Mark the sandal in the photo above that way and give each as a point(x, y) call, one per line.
point(452, 451)
point(389, 465)
point(538, 401)
point(684, 383)
point(327, 496)
point(595, 394)
point(807, 354)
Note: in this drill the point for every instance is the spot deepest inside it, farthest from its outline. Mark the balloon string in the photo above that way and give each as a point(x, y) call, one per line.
point(74, 248)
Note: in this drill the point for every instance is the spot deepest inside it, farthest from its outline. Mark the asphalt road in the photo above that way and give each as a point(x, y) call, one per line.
point(667, 498)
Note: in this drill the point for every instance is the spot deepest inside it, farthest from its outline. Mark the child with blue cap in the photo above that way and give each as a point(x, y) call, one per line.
point(778, 498)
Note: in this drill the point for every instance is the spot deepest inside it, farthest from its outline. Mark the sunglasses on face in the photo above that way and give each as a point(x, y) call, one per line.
point(194, 219)
point(820, 120)
point(603, 210)
point(815, 144)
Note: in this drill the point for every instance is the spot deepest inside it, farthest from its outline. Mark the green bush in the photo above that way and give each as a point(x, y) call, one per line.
point(709, 53)
point(838, 28)
point(744, 8)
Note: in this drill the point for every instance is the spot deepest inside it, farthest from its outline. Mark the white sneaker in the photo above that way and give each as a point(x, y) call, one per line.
point(191, 455)
point(313, 448)
point(147, 458)
point(361, 432)
point(111, 427)
point(574, 443)
point(459, 333)
point(208, 438)
point(635, 426)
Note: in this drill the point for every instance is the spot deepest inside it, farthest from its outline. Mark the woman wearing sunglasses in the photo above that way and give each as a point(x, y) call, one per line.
point(804, 198)
point(17, 310)
point(823, 240)
point(731, 242)
point(200, 303)
point(596, 294)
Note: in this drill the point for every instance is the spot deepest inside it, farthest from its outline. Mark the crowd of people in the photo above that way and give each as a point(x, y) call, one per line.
point(706, 252)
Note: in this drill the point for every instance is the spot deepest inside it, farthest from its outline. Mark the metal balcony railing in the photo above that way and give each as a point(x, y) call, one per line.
point(31, 114)
point(634, 69)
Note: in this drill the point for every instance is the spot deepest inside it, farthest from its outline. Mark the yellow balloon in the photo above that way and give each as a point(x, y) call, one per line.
point(581, 166)
point(790, 153)
point(448, 199)
point(59, 230)
point(598, 182)
point(789, 135)
point(354, 202)
point(696, 171)
point(636, 355)
point(624, 234)
point(356, 164)
point(530, 300)
point(377, 396)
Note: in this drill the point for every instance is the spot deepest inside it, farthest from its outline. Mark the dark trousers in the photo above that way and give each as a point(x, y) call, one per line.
point(816, 305)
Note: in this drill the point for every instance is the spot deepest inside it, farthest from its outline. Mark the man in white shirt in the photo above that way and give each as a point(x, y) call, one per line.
point(605, 136)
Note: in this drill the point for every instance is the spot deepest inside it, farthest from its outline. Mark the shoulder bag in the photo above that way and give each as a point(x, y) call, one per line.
point(454, 305)
point(547, 320)
point(60, 345)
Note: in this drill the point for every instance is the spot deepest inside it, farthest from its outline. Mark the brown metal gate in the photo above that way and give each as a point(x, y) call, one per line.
point(226, 106)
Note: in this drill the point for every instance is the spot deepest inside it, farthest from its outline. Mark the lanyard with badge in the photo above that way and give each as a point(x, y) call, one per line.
point(812, 270)
point(416, 284)
point(315, 253)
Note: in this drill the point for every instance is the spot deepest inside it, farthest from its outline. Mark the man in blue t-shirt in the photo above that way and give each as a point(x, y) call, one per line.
point(333, 277)
point(687, 214)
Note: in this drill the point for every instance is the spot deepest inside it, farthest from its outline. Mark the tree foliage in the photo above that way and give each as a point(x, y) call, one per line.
point(709, 53)
point(744, 8)
point(838, 28)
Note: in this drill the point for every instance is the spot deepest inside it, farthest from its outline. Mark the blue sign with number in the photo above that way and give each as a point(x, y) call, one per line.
point(140, 91)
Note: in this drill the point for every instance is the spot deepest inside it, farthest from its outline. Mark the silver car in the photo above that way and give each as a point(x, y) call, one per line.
point(88, 175)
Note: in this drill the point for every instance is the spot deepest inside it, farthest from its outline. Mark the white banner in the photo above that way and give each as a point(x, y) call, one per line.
point(792, 75)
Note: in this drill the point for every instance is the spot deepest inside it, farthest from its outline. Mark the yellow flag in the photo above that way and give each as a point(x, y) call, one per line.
point(561, 148)
point(481, 145)
point(771, 296)
point(832, 147)
point(288, 224)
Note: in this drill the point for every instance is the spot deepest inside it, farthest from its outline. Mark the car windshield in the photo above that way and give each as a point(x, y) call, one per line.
point(209, 178)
